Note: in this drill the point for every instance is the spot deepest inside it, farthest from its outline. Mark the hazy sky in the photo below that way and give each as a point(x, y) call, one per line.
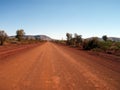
point(56, 17)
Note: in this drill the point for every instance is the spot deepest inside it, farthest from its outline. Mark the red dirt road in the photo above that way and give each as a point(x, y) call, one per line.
point(54, 67)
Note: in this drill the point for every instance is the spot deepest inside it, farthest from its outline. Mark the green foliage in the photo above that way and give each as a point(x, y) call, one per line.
point(69, 39)
point(104, 38)
point(105, 45)
point(20, 33)
point(78, 39)
point(74, 41)
point(110, 45)
point(118, 44)
point(90, 44)
point(3, 37)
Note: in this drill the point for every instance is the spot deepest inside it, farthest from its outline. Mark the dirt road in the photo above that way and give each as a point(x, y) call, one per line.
point(54, 67)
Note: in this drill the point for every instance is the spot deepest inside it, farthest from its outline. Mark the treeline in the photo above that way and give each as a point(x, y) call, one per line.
point(94, 43)
point(75, 41)
point(19, 38)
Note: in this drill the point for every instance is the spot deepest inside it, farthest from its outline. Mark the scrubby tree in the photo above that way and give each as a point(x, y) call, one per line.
point(104, 38)
point(19, 34)
point(69, 38)
point(72, 41)
point(92, 43)
point(3, 37)
point(78, 39)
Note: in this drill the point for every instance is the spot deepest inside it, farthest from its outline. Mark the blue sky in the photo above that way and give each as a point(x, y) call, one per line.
point(56, 17)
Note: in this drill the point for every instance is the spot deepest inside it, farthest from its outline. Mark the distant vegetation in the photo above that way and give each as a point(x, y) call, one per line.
point(103, 44)
point(95, 44)
point(105, 37)
point(20, 34)
point(21, 38)
point(3, 37)
point(89, 44)
point(74, 41)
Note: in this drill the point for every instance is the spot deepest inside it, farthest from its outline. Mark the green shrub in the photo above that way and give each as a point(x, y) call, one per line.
point(90, 44)
point(109, 45)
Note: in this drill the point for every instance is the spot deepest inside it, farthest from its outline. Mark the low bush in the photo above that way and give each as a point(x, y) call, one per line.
point(90, 44)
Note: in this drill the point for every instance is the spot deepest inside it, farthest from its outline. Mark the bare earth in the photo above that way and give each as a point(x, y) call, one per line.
point(55, 67)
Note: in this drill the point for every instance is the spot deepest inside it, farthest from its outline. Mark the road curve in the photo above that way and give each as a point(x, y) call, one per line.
point(55, 67)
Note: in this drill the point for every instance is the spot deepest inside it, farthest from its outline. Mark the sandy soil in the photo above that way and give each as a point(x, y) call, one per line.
point(55, 67)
